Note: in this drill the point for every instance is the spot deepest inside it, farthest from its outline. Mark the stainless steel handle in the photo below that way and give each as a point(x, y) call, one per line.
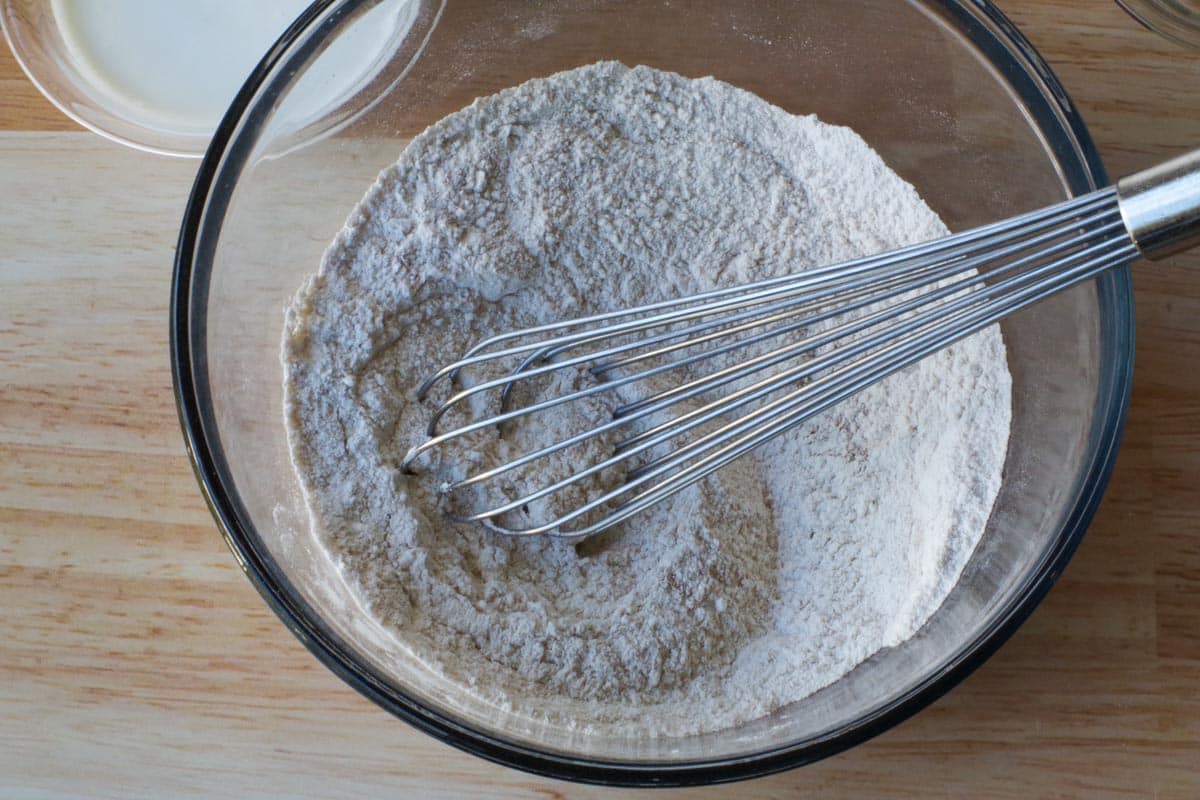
point(1161, 206)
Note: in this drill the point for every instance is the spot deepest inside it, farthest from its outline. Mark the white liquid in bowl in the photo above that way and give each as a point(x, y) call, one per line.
point(175, 65)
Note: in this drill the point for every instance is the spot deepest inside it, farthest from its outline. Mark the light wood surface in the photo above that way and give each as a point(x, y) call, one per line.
point(137, 661)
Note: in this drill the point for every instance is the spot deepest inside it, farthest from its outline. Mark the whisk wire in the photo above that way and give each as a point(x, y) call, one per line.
point(690, 389)
point(776, 418)
point(704, 383)
point(761, 433)
point(887, 312)
point(922, 277)
point(1031, 222)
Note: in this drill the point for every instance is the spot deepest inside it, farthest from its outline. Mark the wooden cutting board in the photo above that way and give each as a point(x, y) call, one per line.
point(137, 661)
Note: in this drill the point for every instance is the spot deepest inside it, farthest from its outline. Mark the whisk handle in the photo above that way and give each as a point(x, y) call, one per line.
point(1161, 206)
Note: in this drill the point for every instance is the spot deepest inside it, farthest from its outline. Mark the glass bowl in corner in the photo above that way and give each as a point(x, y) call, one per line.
point(158, 76)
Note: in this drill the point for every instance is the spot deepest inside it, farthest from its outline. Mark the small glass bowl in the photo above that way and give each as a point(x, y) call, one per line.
point(947, 91)
point(41, 46)
point(1177, 20)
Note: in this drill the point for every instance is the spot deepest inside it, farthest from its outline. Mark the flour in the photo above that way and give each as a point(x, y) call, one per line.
point(601, 188)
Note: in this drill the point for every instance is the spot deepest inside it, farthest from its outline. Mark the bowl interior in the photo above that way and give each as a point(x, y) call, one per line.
point(938, 106)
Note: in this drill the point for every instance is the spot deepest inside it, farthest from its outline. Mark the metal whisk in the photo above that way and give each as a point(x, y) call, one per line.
point(697, 382)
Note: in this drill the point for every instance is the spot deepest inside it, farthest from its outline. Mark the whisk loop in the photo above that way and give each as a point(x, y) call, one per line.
point(702, 380)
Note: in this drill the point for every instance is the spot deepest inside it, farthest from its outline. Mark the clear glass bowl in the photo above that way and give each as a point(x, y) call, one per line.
point(949, 93)
point(42, 44)
point(1177, 20)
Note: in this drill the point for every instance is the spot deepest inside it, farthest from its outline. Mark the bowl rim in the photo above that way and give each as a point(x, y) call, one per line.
point(1054, 116)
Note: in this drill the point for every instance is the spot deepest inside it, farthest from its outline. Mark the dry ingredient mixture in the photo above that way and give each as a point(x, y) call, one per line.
point(594, 189)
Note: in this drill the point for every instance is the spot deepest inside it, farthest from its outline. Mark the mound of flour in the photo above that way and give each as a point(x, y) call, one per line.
point(590, 190)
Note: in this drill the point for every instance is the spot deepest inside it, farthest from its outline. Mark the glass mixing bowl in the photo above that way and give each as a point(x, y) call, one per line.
point(950, 94)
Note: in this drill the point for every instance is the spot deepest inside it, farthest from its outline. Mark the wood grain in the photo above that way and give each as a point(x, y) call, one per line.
point(137, 661)
point(22, 106)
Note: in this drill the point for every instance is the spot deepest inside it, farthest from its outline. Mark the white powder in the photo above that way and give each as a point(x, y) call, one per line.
point(601, 188)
